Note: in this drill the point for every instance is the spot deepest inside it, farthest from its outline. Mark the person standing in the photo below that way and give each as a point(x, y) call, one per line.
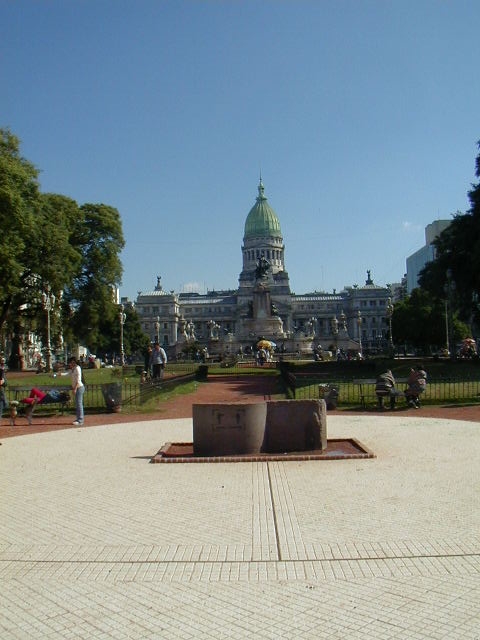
point(78, 388)
point(262, 356)
point(158, 361)
point(147, 367)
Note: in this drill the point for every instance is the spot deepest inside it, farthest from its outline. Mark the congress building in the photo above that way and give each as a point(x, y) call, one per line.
point(263, 306)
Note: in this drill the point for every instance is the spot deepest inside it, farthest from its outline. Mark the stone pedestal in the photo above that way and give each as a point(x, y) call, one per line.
point(226, 429)
point(282, 426)
point(262, 322)
point(295, 425)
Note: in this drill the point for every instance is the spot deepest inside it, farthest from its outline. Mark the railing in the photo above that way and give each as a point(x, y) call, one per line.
point(132, 392)
point(438, 391)
point(126, 392)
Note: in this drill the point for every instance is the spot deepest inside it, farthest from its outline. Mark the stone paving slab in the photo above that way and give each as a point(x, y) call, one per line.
point(95, 542)
point(228, 571)
point(381, 607)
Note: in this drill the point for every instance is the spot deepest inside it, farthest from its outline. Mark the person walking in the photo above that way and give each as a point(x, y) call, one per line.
point(158, 361)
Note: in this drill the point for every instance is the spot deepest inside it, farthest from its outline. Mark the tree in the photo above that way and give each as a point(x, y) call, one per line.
point(136, 340)
point(19, 204)
point(49, 242)
point(458, 252)
point(34, 227)
point(420, 321)
point(98, 236)
point(56, 218)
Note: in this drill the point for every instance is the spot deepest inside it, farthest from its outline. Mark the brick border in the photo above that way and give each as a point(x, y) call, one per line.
point(164, 454)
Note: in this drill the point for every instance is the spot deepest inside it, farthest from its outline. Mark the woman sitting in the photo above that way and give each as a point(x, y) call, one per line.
point(417, 383)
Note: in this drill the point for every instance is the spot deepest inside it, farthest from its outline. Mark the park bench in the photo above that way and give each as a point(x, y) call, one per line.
point(18, 393)
point(367, 385)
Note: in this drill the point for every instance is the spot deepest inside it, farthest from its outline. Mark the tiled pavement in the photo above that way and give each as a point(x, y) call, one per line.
point(95, 542)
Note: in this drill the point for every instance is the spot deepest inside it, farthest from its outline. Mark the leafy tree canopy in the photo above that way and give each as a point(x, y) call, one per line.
point(420, 320)
point(50, 242)
point(19, 205)
point(98, 236)
point(458, 254)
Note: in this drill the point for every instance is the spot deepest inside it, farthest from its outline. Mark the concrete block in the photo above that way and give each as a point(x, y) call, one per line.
point(295, 425)
point(228, 429)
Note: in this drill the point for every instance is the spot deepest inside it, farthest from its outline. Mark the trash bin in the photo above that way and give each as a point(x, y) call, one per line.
point(112, 393)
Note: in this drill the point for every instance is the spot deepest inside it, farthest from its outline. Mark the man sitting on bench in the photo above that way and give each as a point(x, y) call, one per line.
point(37, 396)
point(385, 387)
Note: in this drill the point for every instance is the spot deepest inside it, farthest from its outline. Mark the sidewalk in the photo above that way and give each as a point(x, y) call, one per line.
point(95, 542)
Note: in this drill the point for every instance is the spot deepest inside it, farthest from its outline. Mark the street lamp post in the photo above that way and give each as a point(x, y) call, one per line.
point(122, 317)
point(449, 289)
point(475, 309)
point(334, 325)
point(389, 311)
point(359, 325)
point(447, 337)
point(48, 303)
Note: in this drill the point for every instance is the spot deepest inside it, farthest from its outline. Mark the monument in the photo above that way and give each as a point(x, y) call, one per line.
point(262, 320)
point(275, 426)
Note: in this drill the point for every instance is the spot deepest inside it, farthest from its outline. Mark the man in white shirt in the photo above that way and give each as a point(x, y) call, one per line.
point(158, 360)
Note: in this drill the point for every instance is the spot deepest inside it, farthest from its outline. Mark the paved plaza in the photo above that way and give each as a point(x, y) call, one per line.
point(97, 543)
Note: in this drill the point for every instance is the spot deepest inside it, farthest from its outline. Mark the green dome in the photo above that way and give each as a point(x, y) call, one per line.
point(262, 219)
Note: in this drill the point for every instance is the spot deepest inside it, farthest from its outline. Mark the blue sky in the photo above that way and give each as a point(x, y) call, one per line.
point(362, 116)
